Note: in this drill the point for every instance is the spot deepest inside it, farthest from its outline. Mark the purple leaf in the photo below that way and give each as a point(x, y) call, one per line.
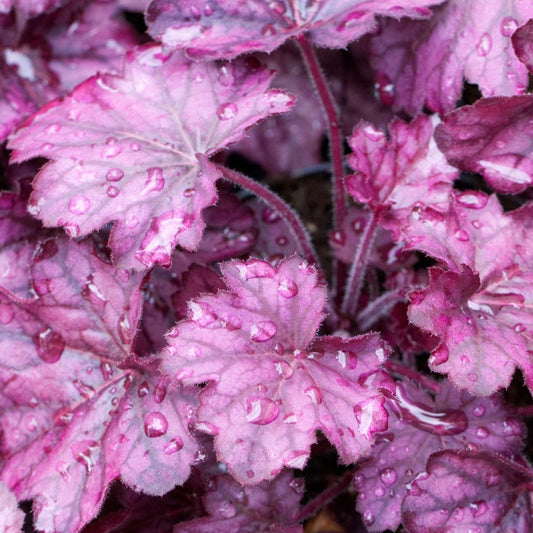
point(77, 410)
point(220, 29)
point(134, 149)
point(523, 44)
point(418, 423)
point(11, 518)
point(484, 330)
point(269, 506)
point(492, 137)
point(272, 386)
point(423, 62)
point(30, 7)
point(464, 491)
point(397, 175)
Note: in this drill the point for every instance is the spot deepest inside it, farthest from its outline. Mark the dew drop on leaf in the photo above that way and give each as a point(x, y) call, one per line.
point(49, 345)
point(155, 181)
point(478, 508)
point(484, 46)
point(508, 26)
point(296, 459)
point(160, 392)
point(112, 191)
point(124, 329)
point(263, 331)
point(84, 452)
point(287, 288)
point(261, 410)
point(314, 394)
point(368, 518)
point(283, 368)
point(175, 445)
point(114, 174)
point(6, 314)
point(473, 199)
point(226, 510)
point(270, 216)
point(479, 410)
point(155, 424)
point(388, 476)
point(46, 250)
point(461, 235)
point(379, 491)
point(143, 389)
point(79, 205)
point(201, 313)
point(482, 432)
point(227, 111)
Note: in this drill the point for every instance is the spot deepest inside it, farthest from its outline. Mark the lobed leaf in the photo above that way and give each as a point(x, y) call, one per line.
point(134, 149)
point(271, 386)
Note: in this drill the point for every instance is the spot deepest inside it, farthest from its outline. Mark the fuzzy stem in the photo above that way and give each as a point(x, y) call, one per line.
point(358, 268)
point(379, 307)
point(335, 144)
point(336, 489)
point(277, 204)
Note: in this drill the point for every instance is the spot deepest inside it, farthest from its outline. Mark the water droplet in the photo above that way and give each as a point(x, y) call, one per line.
point(189, 193)
point(201, 313)
point(143, 389)
point(49, 345)
point(45, 147)
point(155, 424)
point(388, 476)
point(79, 205)
point(268, 30)
point(107, 370)
point(296, 459)
point(314, 394)
point(461, 235)
point(114, 174)
point(175, 445)
point(478, 508)
point(283, 368)
point(155, 181)
point(282, 241)
point(519, 328)
point(465, 360)
point(160, 392)
point(84, 452)
point(384, 91)
point(261, 410)
point(256, 268)
point(511, 426)
point(479, 410)
point(112, 191)
point(472, 376)
point(379, 491)
point(290, 418)
point(473, 199)
point(458, 514)
point(368, 518)
point(508, 26)
point(263, 331)
point(358, 481)
point(124, 329)
point(338, 238)
point(482, 432)
point(135, 147)
point(227, 111)
point(287, 288)
point(270, 216)
point(484, 46)
point(53, 128)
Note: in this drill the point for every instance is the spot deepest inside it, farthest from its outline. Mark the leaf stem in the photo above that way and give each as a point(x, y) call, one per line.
point(395, 367)
point(337, 488)
point(358, 267)
point(335, 143)
point(273, 201)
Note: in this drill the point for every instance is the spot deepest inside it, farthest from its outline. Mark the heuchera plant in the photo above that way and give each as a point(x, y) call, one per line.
point(181, 350)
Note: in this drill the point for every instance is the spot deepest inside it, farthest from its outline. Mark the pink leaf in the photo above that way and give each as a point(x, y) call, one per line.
point(484, 330)
point(264, 507)
point(77, 410)
point(523, 44)
point(462, 490)
point(134, 149)
point(220, 29)
point(272, 386)
point(423, 62)
point(398, 175)
point(492, 137)
point(419, 426)
point(11, 518)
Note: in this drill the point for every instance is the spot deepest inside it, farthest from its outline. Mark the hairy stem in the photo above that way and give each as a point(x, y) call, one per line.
point(280, 206)
point(325, 497)
point(335, 142)
point(358, 268)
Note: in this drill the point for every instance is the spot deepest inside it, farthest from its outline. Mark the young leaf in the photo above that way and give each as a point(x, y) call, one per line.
point(77, 410)
point(271, 385)
point(397, 175)
point(492, 137)
point(134, 149)
point(419, 426)
point(422, 63)
point(220, 29)
point(462, 491)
